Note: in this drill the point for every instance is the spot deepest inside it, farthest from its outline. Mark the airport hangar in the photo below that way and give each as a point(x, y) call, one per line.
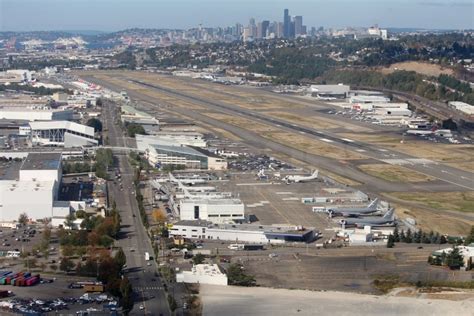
point(263, 234)
point(59, 133)
point(35, 191)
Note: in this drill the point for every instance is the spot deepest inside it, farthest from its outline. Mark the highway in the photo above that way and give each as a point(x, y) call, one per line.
point(455, 178)
point(147, 287)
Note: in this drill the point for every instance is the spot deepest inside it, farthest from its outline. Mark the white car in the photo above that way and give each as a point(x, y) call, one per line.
point(142, 307)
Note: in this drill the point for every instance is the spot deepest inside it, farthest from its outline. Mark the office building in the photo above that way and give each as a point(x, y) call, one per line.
point(298, 20)
point(286, 23)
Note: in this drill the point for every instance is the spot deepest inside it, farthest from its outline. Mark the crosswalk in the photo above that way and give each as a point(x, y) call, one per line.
point(147, 288)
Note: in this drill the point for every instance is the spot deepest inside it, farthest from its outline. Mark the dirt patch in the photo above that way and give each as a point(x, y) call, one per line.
point(394, 173)
point(426, 69)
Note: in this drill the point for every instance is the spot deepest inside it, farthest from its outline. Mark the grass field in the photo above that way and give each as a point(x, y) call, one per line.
point(449, 201)
point(394, 173)
point(428, 220)
point(419, 67)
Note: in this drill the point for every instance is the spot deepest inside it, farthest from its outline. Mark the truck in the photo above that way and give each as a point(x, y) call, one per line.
point(89, 288)
point(147, 256)
point(253, 247)
point(236, 246)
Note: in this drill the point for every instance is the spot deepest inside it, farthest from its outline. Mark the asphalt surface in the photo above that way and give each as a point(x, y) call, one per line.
point(148, 294)
point(450, 179)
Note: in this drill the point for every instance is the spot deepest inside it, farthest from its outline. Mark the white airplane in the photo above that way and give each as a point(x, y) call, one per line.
point(297, 178)
point(354, 211)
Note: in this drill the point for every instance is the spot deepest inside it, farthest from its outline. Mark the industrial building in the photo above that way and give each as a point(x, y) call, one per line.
point(368, 99)
point(338, 91)
point(187, 156)
point(462, 107)
point(41, 113)
point(34, 190)
point(245, 233)
point(203, 274)
point(171, 138)
point(214, 210)
point(59, 133)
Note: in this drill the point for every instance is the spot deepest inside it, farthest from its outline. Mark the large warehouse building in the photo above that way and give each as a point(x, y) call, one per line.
point(34, 190)
point(35, 114)
point(213, 210)
point(60, 133)
point(245, 233)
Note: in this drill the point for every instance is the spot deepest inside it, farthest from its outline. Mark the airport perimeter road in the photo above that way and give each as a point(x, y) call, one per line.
point(452, 179)
point(147, 286)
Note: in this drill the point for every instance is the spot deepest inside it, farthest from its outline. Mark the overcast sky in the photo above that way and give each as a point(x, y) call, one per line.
point(112, 15)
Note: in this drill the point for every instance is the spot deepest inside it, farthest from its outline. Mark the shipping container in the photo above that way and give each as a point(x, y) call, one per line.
point(32, 281)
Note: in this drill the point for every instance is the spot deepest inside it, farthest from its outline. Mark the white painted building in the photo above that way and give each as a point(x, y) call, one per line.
point(35, 114)
point(60, 133)
point(35, 190)
point(203, 274)
point(463, 107)
point(241, 233)
point(368, 99)
point(213, 210)
point(171, 139)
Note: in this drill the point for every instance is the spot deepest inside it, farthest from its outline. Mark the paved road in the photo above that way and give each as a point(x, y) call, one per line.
point(148, 293)
point(452, 179)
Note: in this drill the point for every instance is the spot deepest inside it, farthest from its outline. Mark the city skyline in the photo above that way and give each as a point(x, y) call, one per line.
point(107, 15)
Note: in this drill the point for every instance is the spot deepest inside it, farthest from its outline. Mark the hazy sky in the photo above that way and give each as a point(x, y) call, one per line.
point(111, 15)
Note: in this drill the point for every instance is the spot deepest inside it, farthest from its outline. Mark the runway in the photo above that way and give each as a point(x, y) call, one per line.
point(451, 179)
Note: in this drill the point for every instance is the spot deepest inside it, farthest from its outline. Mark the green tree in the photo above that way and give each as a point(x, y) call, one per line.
point(66, 264)
point(396, 235)
point(120, 259)
point(409, 236)
point(95, 123)
point(23, 219)
point(391, 241)
point(237, 276)
point(198, 259)
point(470, 238)
point(133, 129)
point(69, 222)
point(126, 292)
point(454, 259)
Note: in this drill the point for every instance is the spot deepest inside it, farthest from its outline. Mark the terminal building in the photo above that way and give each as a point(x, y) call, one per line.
point(59, 133)
point(245, 233)
point(213, 210)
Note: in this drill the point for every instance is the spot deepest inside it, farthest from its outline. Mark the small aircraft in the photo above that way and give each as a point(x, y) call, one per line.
point(297, 178)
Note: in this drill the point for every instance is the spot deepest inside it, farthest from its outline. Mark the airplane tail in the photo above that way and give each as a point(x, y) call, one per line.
point(373, 204)
point(390, 214)
point(315, 174)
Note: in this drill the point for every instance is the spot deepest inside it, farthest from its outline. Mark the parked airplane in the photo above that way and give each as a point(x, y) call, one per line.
point(297, 178)
point(387, 220)
point(353, 211)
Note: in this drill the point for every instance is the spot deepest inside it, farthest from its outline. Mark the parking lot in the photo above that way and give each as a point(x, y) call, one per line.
point(55, 296)
point(22, 239)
